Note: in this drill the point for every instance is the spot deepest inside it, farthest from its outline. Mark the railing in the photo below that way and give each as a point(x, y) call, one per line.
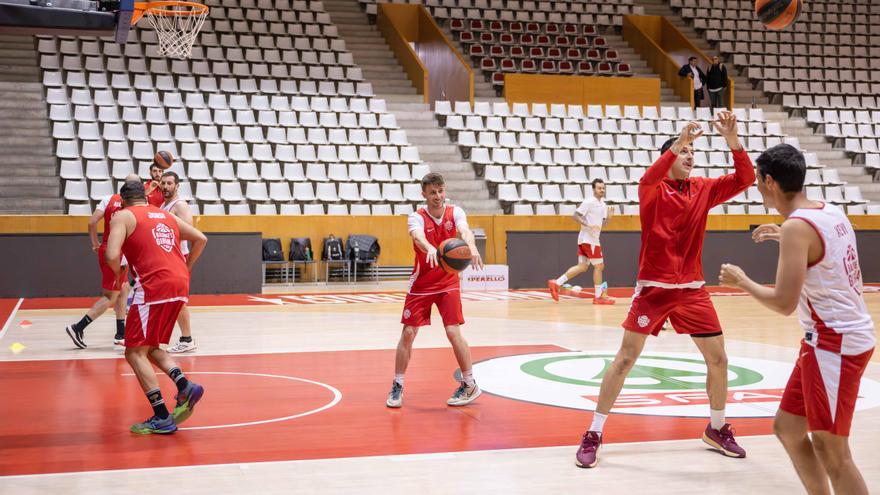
point(436, 68)
point(666, 49)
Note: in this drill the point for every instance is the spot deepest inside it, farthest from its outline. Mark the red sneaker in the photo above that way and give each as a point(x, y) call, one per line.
point(587, 454)
point(554, 289)
point(723, 441)
point(604, 300)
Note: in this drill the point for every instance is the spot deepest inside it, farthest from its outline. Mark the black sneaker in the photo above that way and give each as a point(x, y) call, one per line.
point(119, 340)
point(395, 397)
point(76, 336)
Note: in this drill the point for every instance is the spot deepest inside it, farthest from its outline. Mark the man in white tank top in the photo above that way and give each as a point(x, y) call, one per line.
point(818, 275)
point(170, 185)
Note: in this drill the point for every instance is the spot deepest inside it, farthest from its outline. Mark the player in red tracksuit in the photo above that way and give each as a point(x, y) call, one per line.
point(150, 239)
point(673, 208)
point(430, 285)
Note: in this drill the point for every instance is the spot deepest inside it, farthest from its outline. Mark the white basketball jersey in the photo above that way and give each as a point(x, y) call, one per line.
point(184, 245)
point(831, 308)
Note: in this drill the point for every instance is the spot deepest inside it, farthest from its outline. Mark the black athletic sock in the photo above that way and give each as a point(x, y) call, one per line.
point(179, 379)
point(186, 339)
point(82, 324)
point(157, 403)
point(120, 329)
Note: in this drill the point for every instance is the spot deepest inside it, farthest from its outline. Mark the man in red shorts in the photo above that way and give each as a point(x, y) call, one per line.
point(673, 209)
point(820, 277)
point(114, 289)
point(430, 285)
point(150, 239)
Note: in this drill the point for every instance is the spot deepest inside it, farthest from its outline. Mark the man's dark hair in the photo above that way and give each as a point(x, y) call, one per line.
point(132, 191)
point(597, 181)
point(154, 165)
point(668, 144)
point(786, 165)
point(172, 174)
point(691, 58)
point(432, 179)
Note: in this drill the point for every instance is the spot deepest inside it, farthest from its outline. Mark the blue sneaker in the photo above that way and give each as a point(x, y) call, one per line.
point(186, 401)
point(155, 425)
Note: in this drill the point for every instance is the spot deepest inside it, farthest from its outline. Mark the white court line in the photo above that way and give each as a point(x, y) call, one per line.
point(11, 317)
point(391, 458)
point(337, 396)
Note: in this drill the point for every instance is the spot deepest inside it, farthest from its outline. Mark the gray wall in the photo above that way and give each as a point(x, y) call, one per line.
point(535, 257)
point(57, 265)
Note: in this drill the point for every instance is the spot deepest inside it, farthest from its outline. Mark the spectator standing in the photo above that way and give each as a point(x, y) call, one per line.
point(716, 82)
point(692, 71)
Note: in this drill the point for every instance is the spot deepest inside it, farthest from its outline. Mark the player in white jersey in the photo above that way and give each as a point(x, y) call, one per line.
point(592, 214)
point(170, 185)
point(819, 275)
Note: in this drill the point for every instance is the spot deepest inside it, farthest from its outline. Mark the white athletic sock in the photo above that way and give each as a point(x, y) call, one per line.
point(717, 419)
point(468, 377)
point(598, 289)
point(561, 280)
point(399, 379)
point(598, 422)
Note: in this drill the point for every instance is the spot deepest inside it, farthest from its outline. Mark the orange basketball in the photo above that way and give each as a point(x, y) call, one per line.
point(777, 14)
point(454, 255)
point(164, 159)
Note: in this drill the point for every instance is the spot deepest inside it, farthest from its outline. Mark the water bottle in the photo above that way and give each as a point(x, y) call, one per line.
point(308, 254)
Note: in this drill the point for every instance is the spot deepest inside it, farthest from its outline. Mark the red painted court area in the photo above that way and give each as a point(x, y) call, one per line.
point(64, 416)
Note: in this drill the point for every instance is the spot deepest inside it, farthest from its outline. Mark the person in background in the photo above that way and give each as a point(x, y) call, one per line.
point(716, 82)
point(692, 71)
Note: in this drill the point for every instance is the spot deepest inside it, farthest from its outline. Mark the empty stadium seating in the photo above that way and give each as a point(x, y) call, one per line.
point(270, 110)
point(546, 156)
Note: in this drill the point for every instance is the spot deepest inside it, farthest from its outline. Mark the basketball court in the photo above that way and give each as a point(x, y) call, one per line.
point(296, 384)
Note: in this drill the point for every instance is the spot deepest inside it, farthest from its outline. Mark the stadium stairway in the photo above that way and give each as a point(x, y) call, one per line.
point(29, 181)
point(414, 116)
point(745, 96)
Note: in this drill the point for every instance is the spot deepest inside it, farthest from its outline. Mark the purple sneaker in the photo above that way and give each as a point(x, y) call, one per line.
point(586, 455)
point(723, 441)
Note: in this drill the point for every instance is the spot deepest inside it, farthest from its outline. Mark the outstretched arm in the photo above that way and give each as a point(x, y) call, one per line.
point(728, 186)
point(794, 252)
point(660, 169)
point(418, 236)
point(468, 237)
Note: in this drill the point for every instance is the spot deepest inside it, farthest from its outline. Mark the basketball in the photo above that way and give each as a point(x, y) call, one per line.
point(454, 255)
point(164, 159)
point(777, 14)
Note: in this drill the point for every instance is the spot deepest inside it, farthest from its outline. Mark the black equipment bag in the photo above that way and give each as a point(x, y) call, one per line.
point(332, 250)
point(298, 247)
point(272, 250)
point(366, 246)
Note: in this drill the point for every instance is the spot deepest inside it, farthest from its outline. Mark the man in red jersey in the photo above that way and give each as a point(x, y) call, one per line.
point(673, 209)
point(153, 187)
point(114, 289)
point(430, 285)
point(150, 239)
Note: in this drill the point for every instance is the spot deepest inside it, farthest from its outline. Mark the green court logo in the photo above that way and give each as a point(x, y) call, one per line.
point(660, 383)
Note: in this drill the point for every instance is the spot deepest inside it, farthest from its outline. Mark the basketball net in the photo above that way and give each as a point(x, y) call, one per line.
point(177, 25)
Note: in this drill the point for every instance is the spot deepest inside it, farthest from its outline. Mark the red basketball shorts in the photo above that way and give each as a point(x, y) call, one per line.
point(417, 308)
point(824, 387)
point(689, 310)
point(151, 324)
point(591, 253)
point(109, 280)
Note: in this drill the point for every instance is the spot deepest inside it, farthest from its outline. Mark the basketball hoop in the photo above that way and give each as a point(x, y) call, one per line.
point(177, 24)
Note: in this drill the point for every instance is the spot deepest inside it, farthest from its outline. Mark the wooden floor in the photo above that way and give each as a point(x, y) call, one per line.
point(296, 385)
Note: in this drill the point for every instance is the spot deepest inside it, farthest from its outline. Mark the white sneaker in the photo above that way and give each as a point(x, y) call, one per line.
point(395, 397)
point(464, 395)
point(120, 342)
point(182, 347)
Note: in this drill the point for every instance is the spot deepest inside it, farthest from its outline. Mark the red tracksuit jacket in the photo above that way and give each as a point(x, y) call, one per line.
point(673, 217)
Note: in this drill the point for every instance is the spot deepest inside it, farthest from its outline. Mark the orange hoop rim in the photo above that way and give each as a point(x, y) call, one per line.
point(158, 8)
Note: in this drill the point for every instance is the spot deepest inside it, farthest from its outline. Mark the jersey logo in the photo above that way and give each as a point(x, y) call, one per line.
point(448, 226)
point(853, 271)
point(643, 321)
point(164, 236)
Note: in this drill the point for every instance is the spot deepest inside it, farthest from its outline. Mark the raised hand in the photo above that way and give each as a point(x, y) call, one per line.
point(690, 133)
point(725, 125)
point(767, 232)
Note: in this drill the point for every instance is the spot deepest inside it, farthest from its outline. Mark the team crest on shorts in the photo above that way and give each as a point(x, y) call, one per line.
point(643, 321)
point(164, 236)
point(407, 313)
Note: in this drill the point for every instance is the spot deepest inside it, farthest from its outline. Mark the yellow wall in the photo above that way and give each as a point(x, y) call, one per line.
point(581, 90)
point(390, 230)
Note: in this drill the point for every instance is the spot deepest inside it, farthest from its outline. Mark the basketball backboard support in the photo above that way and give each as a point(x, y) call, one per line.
point(67, 17)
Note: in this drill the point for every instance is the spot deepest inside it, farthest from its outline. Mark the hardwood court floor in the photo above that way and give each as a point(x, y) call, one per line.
point(295, 402)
